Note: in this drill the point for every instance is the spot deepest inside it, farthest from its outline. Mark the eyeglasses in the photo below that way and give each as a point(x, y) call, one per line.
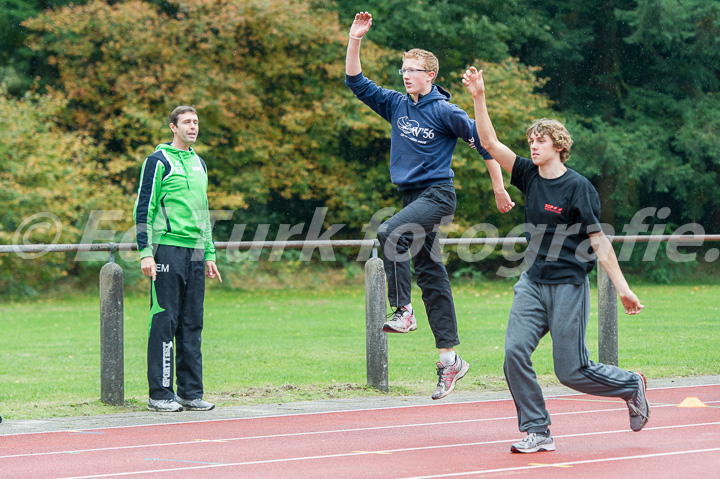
point(410, 71)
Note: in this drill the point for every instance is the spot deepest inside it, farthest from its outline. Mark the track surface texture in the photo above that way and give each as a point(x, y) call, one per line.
point(465, 435)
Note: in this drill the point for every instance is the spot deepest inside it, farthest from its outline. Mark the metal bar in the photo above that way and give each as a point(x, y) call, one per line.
point(238, 245)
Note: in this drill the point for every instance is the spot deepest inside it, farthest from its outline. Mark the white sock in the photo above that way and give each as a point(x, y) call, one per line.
point(447, 359)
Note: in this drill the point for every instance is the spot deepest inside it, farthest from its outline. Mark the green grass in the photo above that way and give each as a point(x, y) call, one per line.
point(286, 345)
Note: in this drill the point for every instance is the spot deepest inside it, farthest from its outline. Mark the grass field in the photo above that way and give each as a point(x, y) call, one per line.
point(286, 345)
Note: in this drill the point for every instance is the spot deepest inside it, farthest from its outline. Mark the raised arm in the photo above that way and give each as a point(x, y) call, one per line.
point(607, 258)
point(505, 157)
point(360, 26)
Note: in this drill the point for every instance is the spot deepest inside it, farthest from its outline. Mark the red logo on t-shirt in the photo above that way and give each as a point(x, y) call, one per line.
point(552, 208)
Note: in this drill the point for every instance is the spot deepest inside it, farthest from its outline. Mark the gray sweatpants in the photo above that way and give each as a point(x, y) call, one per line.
point(563, 311)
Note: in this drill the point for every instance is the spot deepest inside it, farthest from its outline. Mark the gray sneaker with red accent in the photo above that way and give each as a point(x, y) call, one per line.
point(401, 321)
point(448, 376)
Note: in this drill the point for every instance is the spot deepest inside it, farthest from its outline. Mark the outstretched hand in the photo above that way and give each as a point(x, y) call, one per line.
point(473, 81)
point(361, 24)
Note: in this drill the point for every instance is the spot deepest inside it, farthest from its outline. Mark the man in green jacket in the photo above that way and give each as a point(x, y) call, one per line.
point(176, 250)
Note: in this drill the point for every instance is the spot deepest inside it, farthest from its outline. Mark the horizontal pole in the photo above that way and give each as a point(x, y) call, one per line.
point(236, 245)
point(240, 245)
point(662, 238)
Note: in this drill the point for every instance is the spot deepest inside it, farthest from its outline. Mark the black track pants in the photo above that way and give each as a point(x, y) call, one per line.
point(412, 233)
point(176, 322)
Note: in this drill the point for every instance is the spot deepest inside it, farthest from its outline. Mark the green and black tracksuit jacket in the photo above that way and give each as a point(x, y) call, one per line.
point(172, 206)
point(171, 212)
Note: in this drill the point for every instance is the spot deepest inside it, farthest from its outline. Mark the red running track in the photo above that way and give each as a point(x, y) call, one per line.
point(471, 439)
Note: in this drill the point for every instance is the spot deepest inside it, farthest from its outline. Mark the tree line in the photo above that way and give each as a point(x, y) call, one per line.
point(86, 88)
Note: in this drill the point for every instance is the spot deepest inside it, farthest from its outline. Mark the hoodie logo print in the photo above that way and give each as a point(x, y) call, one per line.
point(411, 130)
point(179, 167)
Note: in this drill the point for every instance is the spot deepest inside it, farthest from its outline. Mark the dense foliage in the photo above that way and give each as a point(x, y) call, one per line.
point(88, 86)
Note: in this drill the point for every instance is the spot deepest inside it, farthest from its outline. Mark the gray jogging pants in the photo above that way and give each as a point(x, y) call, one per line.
point(563, 311)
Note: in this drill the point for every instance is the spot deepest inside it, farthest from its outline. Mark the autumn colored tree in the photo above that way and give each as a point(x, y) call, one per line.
point(49, 182)
point(280, 132)
point(265, 76)
point(282, 135)
point(277, 122)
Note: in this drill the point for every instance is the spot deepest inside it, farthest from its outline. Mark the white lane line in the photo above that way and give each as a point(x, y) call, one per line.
point(309, 433)
point(567, 464)
point(339, 411)
point(413, 449)
point(269, 436)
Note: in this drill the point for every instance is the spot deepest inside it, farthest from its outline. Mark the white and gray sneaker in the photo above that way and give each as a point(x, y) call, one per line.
point(534, 443)
point(402, 320)
point(194, 404)
point(448, 376)
point(164, 405)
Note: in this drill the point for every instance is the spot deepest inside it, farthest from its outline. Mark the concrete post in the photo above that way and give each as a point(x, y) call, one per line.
point(607, 319)
point(112, 372)
point(375, 315)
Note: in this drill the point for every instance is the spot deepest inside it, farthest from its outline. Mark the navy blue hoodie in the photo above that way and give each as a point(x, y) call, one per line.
point(424, 134)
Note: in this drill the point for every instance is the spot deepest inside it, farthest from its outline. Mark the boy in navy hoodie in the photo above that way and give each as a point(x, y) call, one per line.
point(425, 129)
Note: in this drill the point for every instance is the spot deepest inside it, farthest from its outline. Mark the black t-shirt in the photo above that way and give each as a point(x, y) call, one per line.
point(559, 214)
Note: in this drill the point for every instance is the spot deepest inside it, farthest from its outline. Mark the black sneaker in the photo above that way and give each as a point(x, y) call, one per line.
point(638, 405)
